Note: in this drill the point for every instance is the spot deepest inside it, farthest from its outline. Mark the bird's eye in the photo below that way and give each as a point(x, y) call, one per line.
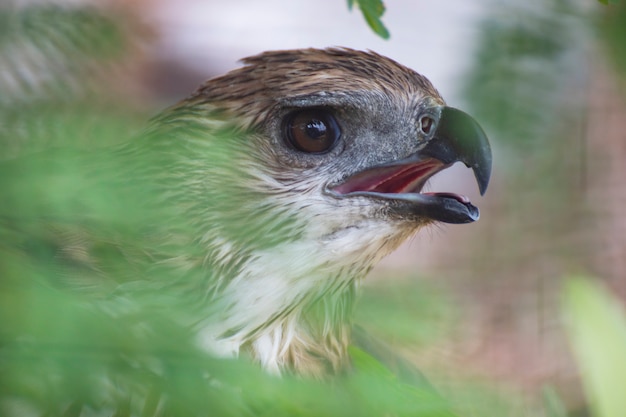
point(426, 124)
point(312, 131)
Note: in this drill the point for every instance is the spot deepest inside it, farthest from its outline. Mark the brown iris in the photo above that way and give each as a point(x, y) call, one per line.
point(312, 131)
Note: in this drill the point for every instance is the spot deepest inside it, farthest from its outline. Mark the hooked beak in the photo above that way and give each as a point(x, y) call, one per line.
point(456, 137)
point(460, 138)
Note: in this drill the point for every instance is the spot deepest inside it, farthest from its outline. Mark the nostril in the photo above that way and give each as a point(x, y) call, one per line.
point(426, 124)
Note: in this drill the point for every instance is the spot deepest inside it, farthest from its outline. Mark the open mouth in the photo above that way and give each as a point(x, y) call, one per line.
point(396, 179)
point(403, 182)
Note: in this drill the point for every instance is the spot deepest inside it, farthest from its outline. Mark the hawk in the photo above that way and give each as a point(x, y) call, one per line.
point(259, 203)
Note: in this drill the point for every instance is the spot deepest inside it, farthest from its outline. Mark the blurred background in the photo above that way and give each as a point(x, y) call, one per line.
point(479, 302)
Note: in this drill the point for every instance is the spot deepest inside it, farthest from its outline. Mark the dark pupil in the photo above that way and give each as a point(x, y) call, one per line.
point(316, 129)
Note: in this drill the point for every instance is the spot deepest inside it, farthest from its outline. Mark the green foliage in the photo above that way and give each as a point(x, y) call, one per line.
point(552, 403)
point(611, 26)
point(60, 352)
point(372, 11)
point(408, 312)
point(597, 331)
point(55, 62)
point(62, 30)
point(609, 2)
point(63, 351)
point(49, 50)
point(69, 349)
point(525, 65)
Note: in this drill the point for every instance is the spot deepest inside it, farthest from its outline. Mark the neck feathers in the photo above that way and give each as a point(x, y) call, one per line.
point(313, 341)
point(285, 319)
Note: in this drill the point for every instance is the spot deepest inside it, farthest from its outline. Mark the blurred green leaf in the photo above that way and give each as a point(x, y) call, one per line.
point(607, 2)
point(597, 331)
point(525, 68)
point(363, 362)
point(372, 11)
point(408, 312)
point(552, 404)
point(61, 352)
point(611, 26)
point(50, 51)
point(73, 30)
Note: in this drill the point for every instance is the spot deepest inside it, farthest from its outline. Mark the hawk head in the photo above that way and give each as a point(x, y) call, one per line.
point(298, 172)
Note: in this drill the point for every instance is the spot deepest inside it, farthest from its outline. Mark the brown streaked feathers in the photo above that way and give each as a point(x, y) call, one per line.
point(274, 77)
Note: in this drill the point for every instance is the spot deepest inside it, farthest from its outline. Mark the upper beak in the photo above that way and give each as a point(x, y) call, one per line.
point(458, 137)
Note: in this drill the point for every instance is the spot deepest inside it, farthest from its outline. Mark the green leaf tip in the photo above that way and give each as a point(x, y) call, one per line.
point(372, 12)
point(597, 332)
